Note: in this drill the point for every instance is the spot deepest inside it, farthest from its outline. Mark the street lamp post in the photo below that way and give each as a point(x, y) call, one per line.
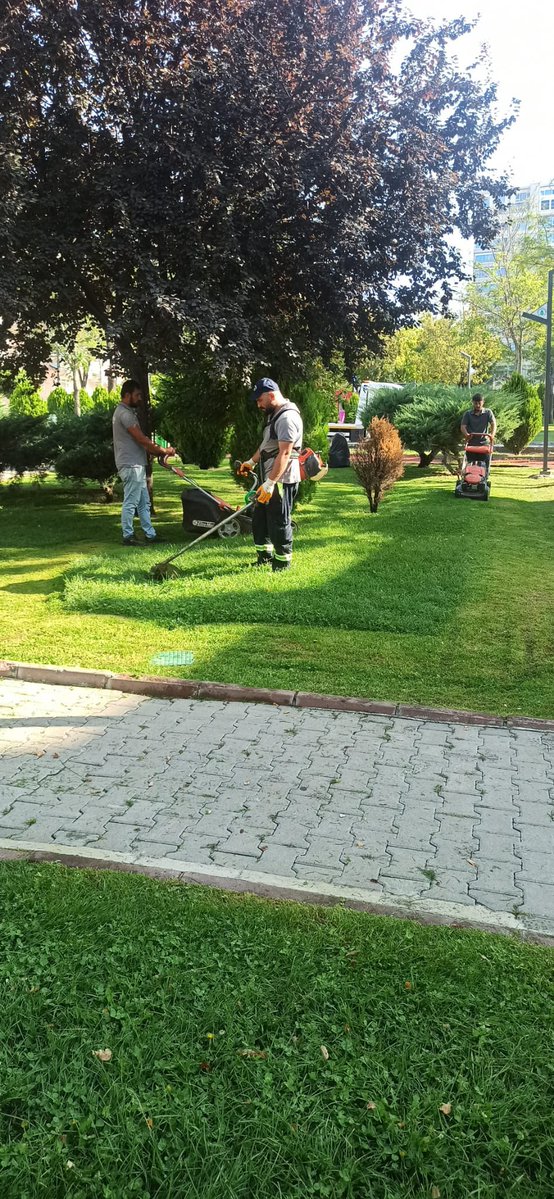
point(469, 366)
point(543, 318)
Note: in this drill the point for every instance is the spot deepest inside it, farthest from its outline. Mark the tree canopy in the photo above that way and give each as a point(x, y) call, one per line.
point(515, 280)
point(431, 351)
point(249, 179)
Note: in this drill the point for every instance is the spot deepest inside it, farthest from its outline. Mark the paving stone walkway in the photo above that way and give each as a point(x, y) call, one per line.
point(413, 811)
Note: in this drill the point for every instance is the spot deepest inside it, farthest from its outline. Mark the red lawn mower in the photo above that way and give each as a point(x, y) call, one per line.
point(474, 483)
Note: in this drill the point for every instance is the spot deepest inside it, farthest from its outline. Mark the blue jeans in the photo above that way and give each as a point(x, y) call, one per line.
point(135, 499)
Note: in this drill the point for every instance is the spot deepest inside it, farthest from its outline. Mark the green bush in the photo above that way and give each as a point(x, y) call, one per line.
point(529, 412)
point(430, 423)
point(86, 449)
point(60, 401)
point(102, 398)
point(85, 401)
point(27, 443)
point(245, 435)
point(316, 403)
point(194, 413)
point(25, 400)
point(507, 408)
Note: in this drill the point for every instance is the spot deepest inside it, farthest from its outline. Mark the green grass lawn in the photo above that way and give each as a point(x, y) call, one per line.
point(539, 439)
point(218, 1088)
point(433, 600)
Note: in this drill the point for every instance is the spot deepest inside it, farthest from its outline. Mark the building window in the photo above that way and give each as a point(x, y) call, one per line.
point(545, 205)
point(547, 191)
point(521, 197)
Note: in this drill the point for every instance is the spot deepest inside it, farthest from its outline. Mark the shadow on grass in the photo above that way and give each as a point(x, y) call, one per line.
point(394, 574)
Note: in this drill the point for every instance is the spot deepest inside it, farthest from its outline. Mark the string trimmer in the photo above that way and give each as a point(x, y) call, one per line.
point(165, 569)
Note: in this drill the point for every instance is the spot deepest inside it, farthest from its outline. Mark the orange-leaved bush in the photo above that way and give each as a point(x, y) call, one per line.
point(379, 460)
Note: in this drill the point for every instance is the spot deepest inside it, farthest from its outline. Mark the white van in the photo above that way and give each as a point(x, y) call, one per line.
point(366, 391)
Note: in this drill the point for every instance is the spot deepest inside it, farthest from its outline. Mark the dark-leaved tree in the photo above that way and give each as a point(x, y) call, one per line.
point(254, 181)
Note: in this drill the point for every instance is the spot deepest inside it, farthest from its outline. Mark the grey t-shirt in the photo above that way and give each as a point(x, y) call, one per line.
point(477, 422)
point(127, 451)
point(288, 427)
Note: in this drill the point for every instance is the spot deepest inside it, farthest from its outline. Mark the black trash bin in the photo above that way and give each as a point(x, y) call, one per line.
point(339, 451)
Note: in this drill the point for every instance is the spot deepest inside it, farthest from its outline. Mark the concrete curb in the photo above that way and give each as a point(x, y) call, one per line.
point(275, 888)
point(168, 688)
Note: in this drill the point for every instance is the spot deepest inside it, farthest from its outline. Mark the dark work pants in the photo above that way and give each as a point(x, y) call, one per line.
point(271, 523)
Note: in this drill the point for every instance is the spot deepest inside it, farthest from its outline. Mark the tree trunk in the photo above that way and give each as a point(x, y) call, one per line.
point(76, 396)
point(425, 459)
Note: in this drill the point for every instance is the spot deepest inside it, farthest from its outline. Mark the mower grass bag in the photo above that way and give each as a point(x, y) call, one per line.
point(203, 511)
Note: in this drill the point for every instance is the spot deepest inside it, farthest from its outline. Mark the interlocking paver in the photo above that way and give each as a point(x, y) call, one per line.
point(494, 847)
point(159, 849)
point(502, 798)
point(458, 829)
point(530, 793)
point(407, 863)
point(414, 809)
point(451, 886)
point(413, 834)
point(118, 838)
point(43, 830)
point(456, 803)
point(538, 898)
point(458, 858)
point(498, 901)
point(540, 815)
point(327, 851)
point(535, 839)
point(498, 876)
point(535, 867)
point(360, 872)
point(235, 861)
point(407, 888)
point(279, 859)
point(140, 811)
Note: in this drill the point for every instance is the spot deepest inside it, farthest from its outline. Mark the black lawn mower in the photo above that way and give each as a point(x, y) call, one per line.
point(206, 515)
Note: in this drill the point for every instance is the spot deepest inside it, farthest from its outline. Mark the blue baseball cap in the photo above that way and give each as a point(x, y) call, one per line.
point(261, 386)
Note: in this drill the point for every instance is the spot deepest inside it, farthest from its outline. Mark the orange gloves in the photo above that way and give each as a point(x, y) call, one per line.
point(265, 492)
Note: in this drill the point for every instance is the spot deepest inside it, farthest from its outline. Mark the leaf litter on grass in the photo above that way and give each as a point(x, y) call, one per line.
point(178, 961)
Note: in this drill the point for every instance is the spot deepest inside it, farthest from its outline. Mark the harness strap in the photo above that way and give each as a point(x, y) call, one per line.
point(268, 455)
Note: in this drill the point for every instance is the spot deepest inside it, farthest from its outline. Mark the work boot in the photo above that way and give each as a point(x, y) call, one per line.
point(155, 540)
point(276, 565)
point(261, 560)
point(131, 540)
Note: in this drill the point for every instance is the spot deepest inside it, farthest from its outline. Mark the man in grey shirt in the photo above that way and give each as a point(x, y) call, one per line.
point(131, 448)
point(477, 421)
point(278, 457)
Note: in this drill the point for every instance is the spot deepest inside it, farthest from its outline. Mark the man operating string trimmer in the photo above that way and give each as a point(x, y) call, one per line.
point(278, 458)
